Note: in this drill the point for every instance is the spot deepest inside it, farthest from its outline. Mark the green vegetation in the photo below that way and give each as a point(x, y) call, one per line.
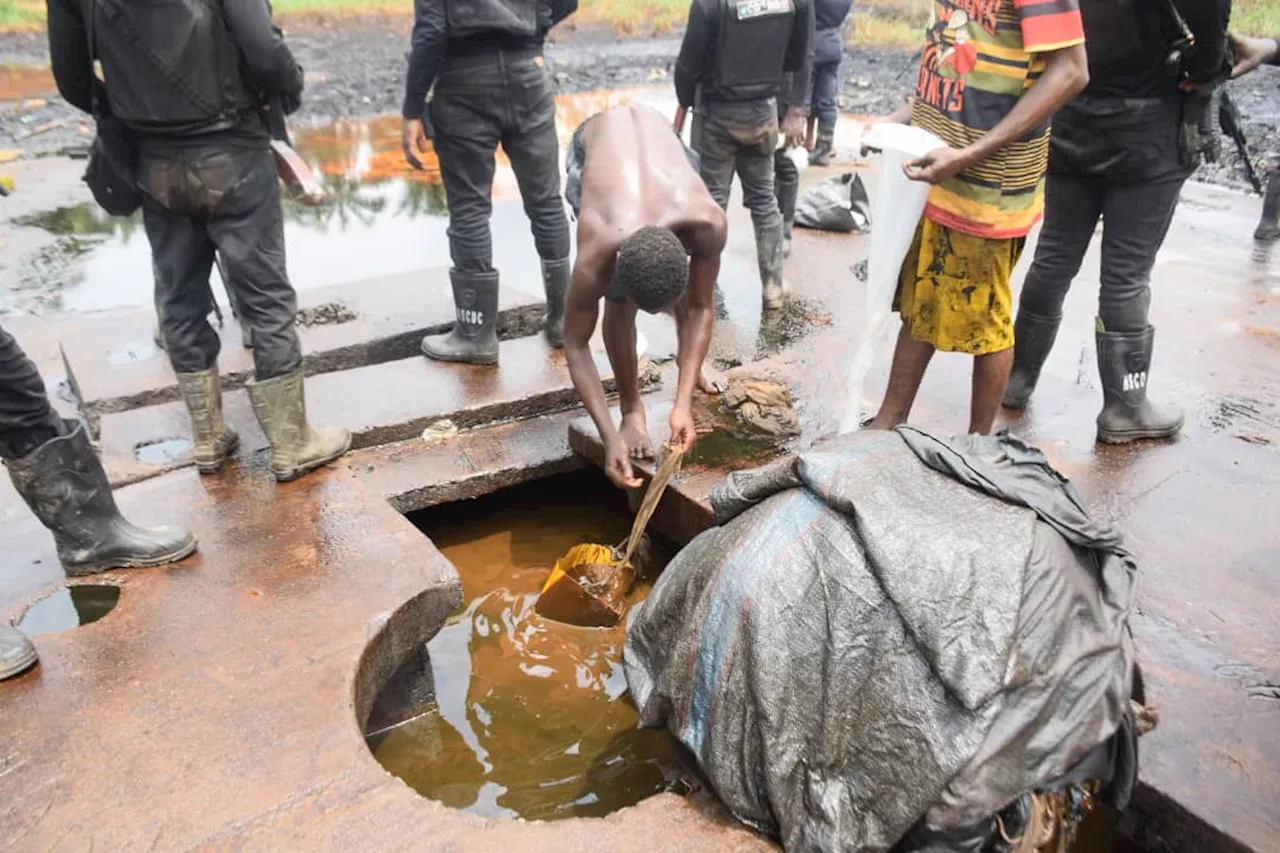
point(891, 23)
point(21, 15)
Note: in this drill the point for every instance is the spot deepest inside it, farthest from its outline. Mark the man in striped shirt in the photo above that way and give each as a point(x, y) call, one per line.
point(991, 75)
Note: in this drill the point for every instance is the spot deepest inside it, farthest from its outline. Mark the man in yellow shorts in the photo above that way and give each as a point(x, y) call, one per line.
point(991, 75)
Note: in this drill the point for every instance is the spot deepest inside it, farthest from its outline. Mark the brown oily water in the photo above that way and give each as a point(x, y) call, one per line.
point(531, 717)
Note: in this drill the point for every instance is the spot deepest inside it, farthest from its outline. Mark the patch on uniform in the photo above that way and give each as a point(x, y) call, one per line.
point(747, 10)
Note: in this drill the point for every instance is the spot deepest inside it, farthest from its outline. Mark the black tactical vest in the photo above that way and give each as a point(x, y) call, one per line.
point(518, 18)
point(751, 48)
point(170, 66)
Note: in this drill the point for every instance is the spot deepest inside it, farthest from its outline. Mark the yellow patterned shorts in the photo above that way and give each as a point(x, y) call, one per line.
point(953, 291)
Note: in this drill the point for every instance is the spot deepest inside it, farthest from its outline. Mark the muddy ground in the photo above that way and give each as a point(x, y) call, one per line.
point(355, 68)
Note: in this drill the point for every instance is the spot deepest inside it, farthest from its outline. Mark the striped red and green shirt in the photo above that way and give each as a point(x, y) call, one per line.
point(980, 56)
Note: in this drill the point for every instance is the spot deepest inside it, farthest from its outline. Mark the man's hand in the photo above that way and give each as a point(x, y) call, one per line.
point(793, 127)
point(415, 142)
point(937, 166)
point(617, 464)
point(683, 432)
point(1250, 53)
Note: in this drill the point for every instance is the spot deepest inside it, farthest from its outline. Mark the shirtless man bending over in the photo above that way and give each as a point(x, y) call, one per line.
point(649, 238)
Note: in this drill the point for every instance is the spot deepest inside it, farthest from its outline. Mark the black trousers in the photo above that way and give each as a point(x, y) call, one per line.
point(1114, 159)
point(26, 418)
point(218, 197)
point(740, 137)
point(479, 103)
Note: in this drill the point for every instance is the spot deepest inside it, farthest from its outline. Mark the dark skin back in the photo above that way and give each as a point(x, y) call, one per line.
point(637, 174)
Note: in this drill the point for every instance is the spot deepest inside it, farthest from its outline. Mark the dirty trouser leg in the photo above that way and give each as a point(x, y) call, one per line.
point(1071, 210)
point(531, 144)
point(248, 228)
point(1135, 220)
point(182, 256)
point(466, 112)
point(717, 152)
point(26, 418)
point(825, 87)
point(756, 130)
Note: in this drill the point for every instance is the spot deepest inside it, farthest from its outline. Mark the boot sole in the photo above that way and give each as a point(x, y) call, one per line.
point(19, 667)
point(186, 549)
point(1130, 436)
point(479, 359)
point(290, 476)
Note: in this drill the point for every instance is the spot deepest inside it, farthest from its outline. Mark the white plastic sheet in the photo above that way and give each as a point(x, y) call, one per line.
point(896, 208)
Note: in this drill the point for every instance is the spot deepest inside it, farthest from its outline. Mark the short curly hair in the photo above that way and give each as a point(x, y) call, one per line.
point(652, 268)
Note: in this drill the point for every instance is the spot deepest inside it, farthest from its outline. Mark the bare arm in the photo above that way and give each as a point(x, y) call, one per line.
point(581, 311)
point(1066, 73)
point(695, 317)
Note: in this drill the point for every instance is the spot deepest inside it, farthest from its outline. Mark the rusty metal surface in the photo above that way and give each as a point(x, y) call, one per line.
point(117, 367)
point(216, 706)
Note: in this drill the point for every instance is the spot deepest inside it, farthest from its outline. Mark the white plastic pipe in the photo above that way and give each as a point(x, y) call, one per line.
point(896, 209)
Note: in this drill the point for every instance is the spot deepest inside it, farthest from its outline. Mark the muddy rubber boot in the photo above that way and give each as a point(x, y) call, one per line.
point(787, 204)
point(17, 654)
point(63, 482)
point(212, 440)
point(555, 282)
point(1124, 363)
point(1033, 337)
point(825, 146)
point(1269, 225)
point(769, 255)
point(474, 339)
point(281, 407)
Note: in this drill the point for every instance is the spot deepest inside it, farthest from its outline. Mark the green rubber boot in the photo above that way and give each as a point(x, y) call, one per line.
point(213, 441)
point(281, 407)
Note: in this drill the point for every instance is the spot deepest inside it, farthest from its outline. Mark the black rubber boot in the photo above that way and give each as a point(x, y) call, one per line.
point(555, 282)
point(787, 193)
point(824, 146)
point(474, 339)
point(1033, 337)
point(769, 256)
point(1269, 225)
point(63, 482)
point(1124, 363)
point(17, 654)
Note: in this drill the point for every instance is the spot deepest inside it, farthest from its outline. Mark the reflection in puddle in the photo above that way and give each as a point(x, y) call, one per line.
point(69, 607)
point(382, 218)
point(163, 451)
point(531, 718)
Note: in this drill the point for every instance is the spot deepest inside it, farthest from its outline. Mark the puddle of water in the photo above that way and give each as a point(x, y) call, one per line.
point(163, 451)
point(382, 218)
point(19, 82)
point(69, 607)
point(133, 351)
point(531, 717)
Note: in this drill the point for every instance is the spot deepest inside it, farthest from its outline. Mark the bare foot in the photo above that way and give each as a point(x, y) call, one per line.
point(711, 381)
point(882, 422)
point(636, 434)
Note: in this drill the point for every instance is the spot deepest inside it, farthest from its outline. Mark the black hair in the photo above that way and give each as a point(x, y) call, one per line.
point(652, 268)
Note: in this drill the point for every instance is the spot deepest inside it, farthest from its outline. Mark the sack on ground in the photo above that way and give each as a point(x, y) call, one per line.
point(890, 635)
point(837, 204)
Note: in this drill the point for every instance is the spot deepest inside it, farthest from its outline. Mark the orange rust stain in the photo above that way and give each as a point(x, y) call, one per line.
point(19, 82)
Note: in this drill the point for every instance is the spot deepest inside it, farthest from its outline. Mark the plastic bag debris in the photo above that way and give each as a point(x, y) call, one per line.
point(837, 204)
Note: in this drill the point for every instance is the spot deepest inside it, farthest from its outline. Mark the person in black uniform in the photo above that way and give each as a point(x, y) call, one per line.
point(1249, 54)
point(491, 86)
point(190, 81)
point(1115, 153)
point(729, 70)
point(828, 50)
point(54, 469)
